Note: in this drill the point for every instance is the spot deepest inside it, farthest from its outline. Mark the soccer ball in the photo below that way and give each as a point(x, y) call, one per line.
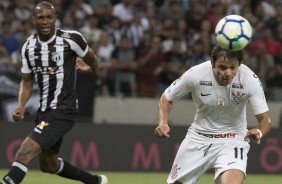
point(233, 32)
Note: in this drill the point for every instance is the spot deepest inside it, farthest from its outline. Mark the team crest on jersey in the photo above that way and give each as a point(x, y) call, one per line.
point(56, 57)
point(237, 97)
point(65, 35)
point(174, 171)
point(206, 83)
point(237, 86)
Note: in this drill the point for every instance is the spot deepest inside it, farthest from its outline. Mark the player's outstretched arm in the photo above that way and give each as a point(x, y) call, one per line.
point(24, 95)
point(263, 128)
point(162, 131)
point(89, 63)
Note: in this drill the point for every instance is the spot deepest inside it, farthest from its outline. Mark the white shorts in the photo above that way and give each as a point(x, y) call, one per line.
point(194, 159)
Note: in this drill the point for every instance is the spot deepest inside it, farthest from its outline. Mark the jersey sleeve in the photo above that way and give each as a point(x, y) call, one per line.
point(180, 86)
point(78, 43)
point(257, 97)
point(25, 67)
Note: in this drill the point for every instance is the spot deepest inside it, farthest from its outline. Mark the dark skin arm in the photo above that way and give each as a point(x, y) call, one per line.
point(264, 126)
point(162, 131)
point(89, 63)
point(24, 95)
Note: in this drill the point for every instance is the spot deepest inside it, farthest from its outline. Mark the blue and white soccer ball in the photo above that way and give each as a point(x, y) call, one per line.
point(233, 32)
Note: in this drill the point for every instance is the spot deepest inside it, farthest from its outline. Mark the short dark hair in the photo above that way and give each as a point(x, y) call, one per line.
point(227, 54)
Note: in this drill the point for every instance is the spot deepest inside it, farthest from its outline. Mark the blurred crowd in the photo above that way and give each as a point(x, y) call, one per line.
point(144, 45)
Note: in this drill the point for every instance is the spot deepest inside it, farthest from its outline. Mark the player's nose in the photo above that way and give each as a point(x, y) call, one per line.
point(228, 74)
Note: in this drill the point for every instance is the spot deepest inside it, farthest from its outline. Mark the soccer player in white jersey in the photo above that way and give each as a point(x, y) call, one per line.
point(218, 138)
point(49, 57)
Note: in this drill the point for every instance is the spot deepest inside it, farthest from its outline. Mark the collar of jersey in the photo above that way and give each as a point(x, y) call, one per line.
point(48, 41)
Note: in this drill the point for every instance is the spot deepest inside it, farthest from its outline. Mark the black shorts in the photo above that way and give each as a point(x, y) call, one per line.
point(51, 126)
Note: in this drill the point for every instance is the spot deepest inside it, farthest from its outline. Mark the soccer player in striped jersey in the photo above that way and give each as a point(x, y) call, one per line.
point(49, 58)
point(218, 138)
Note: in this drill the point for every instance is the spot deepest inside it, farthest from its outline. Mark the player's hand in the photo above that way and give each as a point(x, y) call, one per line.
point(254, 134)
point(81, 66)
point(162, 131)
point(18, 113)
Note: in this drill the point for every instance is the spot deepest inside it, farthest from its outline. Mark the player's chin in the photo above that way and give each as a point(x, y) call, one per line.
point(225, 82)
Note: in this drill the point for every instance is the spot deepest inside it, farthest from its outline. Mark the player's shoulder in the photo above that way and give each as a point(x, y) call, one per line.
point(201, 69)
point(199, 72)
point(202, 66)
point(28, 40)
point(33, 36)
point(248, 76)
point(245, 71)
point(68, 33)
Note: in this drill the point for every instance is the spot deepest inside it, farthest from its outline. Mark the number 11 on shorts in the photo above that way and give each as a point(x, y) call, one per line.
point(237, 150)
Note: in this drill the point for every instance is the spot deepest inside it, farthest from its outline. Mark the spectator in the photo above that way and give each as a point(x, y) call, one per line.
point(80, 11)
point(115, 31)
point(136, 30)
point(123, 62)
point(264, 66)
point(104, 53)
point(269, 8)
point(275, 84)
point(90, 30)
point(197, 55)
point(104, 15)
point(172, 10)
point(215, 13)
point(124, 11)
point(172, 67)
point(22, 11)
point(148, 60)
point(9, 39)
point(195, 16)
point(273, 47)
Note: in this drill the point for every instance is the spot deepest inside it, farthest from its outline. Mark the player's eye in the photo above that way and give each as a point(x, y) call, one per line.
point(222, 67)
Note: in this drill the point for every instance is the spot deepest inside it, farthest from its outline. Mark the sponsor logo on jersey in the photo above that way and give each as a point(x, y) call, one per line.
point(203, 94)
point(65, 35)
point(237, 97)
point(206, 83)
point(237, 86)
point(229, 135)
point(229, 163)
point(61, 45)
point(46, 70)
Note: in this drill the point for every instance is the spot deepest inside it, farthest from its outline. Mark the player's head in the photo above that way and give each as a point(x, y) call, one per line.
point(44, 19)
point(225, 64)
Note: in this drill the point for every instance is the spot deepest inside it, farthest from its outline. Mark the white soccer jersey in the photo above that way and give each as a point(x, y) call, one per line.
point(221, 110)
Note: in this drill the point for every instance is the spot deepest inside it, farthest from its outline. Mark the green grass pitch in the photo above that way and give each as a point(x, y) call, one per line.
point(35, 177)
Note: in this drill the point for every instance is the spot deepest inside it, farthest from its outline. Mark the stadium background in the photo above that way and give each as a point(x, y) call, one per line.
point(119, 106)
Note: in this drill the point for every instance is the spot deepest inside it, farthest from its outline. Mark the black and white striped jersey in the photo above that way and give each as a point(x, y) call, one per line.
point(53, 66)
